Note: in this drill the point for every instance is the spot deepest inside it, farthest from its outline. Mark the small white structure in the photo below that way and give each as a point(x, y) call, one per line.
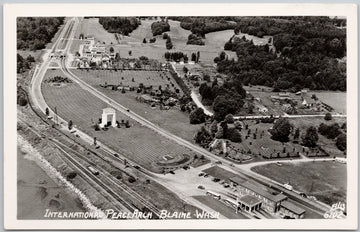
point(108, 112)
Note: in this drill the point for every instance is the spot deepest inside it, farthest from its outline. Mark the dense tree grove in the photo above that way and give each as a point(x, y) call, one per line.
point(159, 27)
point(197, 116)
point(281, 130)
point(176, 56)
point(203, 137)
point(24, 64)
point(311, 137)
point(199, 26)
point(35, 32)
point(225, 99)
point(330, 131)
point(195, 40)
point(203, 25)
point(341, 142)
point(121, 25)
point(309, 52)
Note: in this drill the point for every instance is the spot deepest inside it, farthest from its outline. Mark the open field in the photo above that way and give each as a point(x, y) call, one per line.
point(138, 143)
point(214, 42)
point(326, 180)
point(335, 99)
point(128, 78)
point(327, 144)
point(92, 28)
point(173, 120)
point(219, 172)
point(220, 207)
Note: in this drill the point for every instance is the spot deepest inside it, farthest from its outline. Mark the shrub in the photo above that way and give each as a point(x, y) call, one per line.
point(341, 142)
point(233, 135)
point(328, 117)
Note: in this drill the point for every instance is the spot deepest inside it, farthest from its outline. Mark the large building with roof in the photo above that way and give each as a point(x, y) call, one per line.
point(291, 210)
point(269, 201)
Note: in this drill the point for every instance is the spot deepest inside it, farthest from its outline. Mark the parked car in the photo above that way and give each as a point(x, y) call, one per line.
point(201, 187)
point(206, 175)
point(201, 174)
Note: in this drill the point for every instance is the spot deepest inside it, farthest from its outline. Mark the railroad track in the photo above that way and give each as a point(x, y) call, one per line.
point(105, 178)
point(112, 181)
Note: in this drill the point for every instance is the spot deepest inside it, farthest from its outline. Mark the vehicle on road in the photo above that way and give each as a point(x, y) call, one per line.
point(288, 187)
point(116, 155)
point(213, 194)
point(278, 164)
point(93, 170)
point(231, 202)
point(172, 172)
point(218, 162)
point(201, 187)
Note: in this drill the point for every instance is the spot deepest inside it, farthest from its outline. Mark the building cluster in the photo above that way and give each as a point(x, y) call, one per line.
point(254, 197)
point(93, 52)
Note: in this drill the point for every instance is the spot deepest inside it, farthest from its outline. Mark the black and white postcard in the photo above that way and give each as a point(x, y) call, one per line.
point(180, 116)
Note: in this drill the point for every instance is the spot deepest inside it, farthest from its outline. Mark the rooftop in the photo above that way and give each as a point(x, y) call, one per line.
point(108, 110)
point(250, 200)
point(261, 191)
point(292, 207)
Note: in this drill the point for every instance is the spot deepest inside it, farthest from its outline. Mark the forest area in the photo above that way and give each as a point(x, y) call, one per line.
point(121, 25)
point(309, 54)
point(35, 32)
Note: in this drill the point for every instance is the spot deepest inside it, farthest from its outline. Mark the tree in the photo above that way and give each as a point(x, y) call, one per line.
point(328, 117)
point(169, 44)
point(165, 36)
point(238, 125)
point(111, 49)
point(341, 142)
point(70, 124)
point(193, 57)
point(219, 133)
point(197, 116)
point(203, 137)
point(47, 112)
point(297, 134)
point(311, 137)
point(281, 130)
point(229, 118)
point(144, 40)
point(214, 127)
point(130, 53)
point(185, 69)
point(223, 106)
point(233, 135)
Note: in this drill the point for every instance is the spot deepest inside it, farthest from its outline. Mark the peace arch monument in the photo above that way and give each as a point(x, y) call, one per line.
point(108, 113)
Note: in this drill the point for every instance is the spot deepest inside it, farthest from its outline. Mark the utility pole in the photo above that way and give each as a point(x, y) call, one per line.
point(56, 116)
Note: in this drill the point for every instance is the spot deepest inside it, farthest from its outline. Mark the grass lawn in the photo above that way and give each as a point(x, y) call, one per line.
point(92, 28)
point(128, 78)
point(221, 173)
point(328, 145)
point(335, 99)
point(173, 120)
point(138, 143)
point(263, 145)
point(220, 207)
point(326, 180)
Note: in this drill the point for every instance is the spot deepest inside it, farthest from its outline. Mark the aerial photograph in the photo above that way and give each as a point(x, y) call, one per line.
point(181, 117)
